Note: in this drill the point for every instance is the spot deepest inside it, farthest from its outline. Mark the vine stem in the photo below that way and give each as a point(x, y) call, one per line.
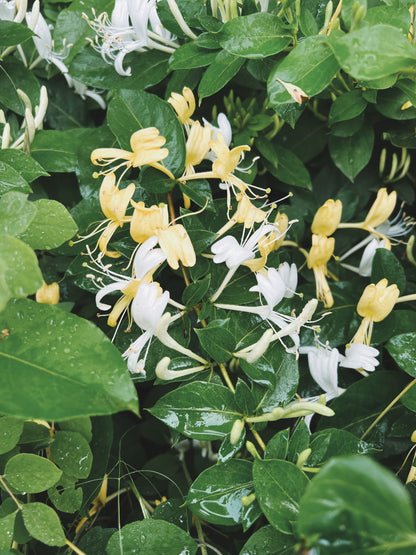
point(197, 520)
point(258, 438)
point(6, 487)
point(389, 406)
point(74, 548)
point(226, 377)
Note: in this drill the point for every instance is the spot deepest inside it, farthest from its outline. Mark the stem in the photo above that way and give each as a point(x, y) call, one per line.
point(257, 437)
point(294, 244)
point(197, 520)
point(3, 483)
point(386, 410)
point(226, 377)
point(74, 548)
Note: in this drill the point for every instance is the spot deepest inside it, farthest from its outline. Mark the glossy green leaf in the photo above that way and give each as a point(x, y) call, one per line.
point(299, 441)
point(12, 33)
point(151, 536)
point(352, 154)
point(333, 443)
point(279, 485)
point(71, 452)
point(228, 450)
point(56, 151)
point(198, 410)
point(19, 270)
point(11, 180)
point(374, 52)
point(347, 106)
point(403, 349)
point(199, 191)
point(30, 473)
point(10, 431)
point(396, 15)
point(65, 496)
point(216, 340)
point(254, 36)
point(386, 265)
point(82, 425)
point(219, 73)
point(290, 169)
point(189, 56)
point(311, 65)
point(355, 500)
point(269, 540)
point(194, 292)
point(43, 524)
point(52, 226)
point(7, 531)
point(56, 365)
point(277, 447)
point(16, 213)
point(28, 168)
point(130, 111)
point(216, 494)
point(15, 75)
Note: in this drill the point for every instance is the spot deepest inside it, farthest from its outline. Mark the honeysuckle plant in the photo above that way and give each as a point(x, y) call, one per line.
point(207, 291)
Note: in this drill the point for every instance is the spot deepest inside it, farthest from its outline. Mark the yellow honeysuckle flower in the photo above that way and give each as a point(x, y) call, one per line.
point(318, 257)
point(48, 294)
point(327, 218)
point(173, 238)
point(197, 146)
point(375, 304)
point(381, 208)
point(146, 150)
point(246, 214)
point(227, 161)
point(184, 105)
point(273, 241)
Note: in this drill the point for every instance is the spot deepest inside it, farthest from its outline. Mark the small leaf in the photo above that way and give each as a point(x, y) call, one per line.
point(352, 154)
point(219, 73)
point(43, 524)
point(30, 473)
point(269, 540)
point(16, 213)
point(12, 180)
point(71, 452)
point(386, 265)
point(403, 349)
point(347, 106)
point(216, 340)
point(189, 56)
point(194, 292)
point(10, 431)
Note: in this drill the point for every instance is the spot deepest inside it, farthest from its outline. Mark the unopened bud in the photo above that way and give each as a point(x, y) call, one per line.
point(236, 431)
point(413, 437)
point(247, 500)
point(252, 450)
point(48, 294)
point(303, 457)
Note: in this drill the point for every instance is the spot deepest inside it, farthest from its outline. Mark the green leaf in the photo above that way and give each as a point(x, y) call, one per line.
point(130, 111)
point(198, 190)
point(10, 431)
point(386, 265)
point(189, 56)
point(347, 106)
point(56, 365)
point(219, 73)
point(147, 68)
point(43, 524)
point(290, 169)
point(27, 166)
point(16, 213)
point(254, 36)
point(11, 180)
point(216, 494)
point(352, 154)
point(151, 536)
point(15, 75)
point(52, 226)
point(155, 181)
point(390, 15)
point(311, 65)
point(19, 271)
point(277, 447)
point(403, 349)
point(332, 443)
point(356, 501)
point(56, 151)
point(12, 33)
point(216, 340)
point(299, 441)
point(7, 531)
point(81, 425)
point(198, 410)
point(279, 485)
point(30, 473)
point(71, 452)
point(373, 52)
point(269, 540)
point(228, 450)
point(194, 292)
point(65, 496)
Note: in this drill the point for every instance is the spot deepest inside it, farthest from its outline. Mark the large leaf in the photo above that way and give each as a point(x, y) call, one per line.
point(219, 73)
point(130, 111)
point(254, 36)
point(30, 473)
point(43, 523)
point(12, 33)
point(198, 410)
point(15, 75)
point(28, 168)
point(356, 501)
point(403, 349)
point(11, 180)
point(352, 154)
point(386, 265)
point(56, 365)
point(269, 540)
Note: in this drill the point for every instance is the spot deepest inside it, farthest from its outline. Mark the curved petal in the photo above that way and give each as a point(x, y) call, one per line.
point(117, 286)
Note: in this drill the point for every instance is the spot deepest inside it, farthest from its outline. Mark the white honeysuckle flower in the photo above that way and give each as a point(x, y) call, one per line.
point(84, 91)
point(147, 309)
point(7, 10)
point(161, 332)
point(263, 4)
point(43, 41)
point(224, 127)
point(323, 366)
point(359, 356)
point(278, 284)
point(366, 262)
point(128, 30)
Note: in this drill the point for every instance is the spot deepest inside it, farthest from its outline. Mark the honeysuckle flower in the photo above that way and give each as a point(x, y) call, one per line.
point(48, 294)
point(323, 366)
point(184, 105)
point(163, 373)
point(274, 240)
point(376, 302)
point(147, 308)
point(366, 263)
point(360, 357)
point(161, 332)
point(8, 10)
point(197, 146)
point(247, 213)
point(275, 285)
point(146, 149)
point(318, 257)
point(327, 218)
point(295, 92)
point(128, 30)
point(146, 261)
point(293, 410)
point(173, 238)
point(84, 91)
point(224, 127)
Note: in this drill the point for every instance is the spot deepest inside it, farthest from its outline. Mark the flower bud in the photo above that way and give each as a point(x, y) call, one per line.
point(236, 431)
point(147, 220)
point(327, 218)
point(183, 104)
point(377, 301)
point(381, 209)
point(247, 500)
point(321, 250)
point(303, 457)
point(48, 294)
point(413, 437)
